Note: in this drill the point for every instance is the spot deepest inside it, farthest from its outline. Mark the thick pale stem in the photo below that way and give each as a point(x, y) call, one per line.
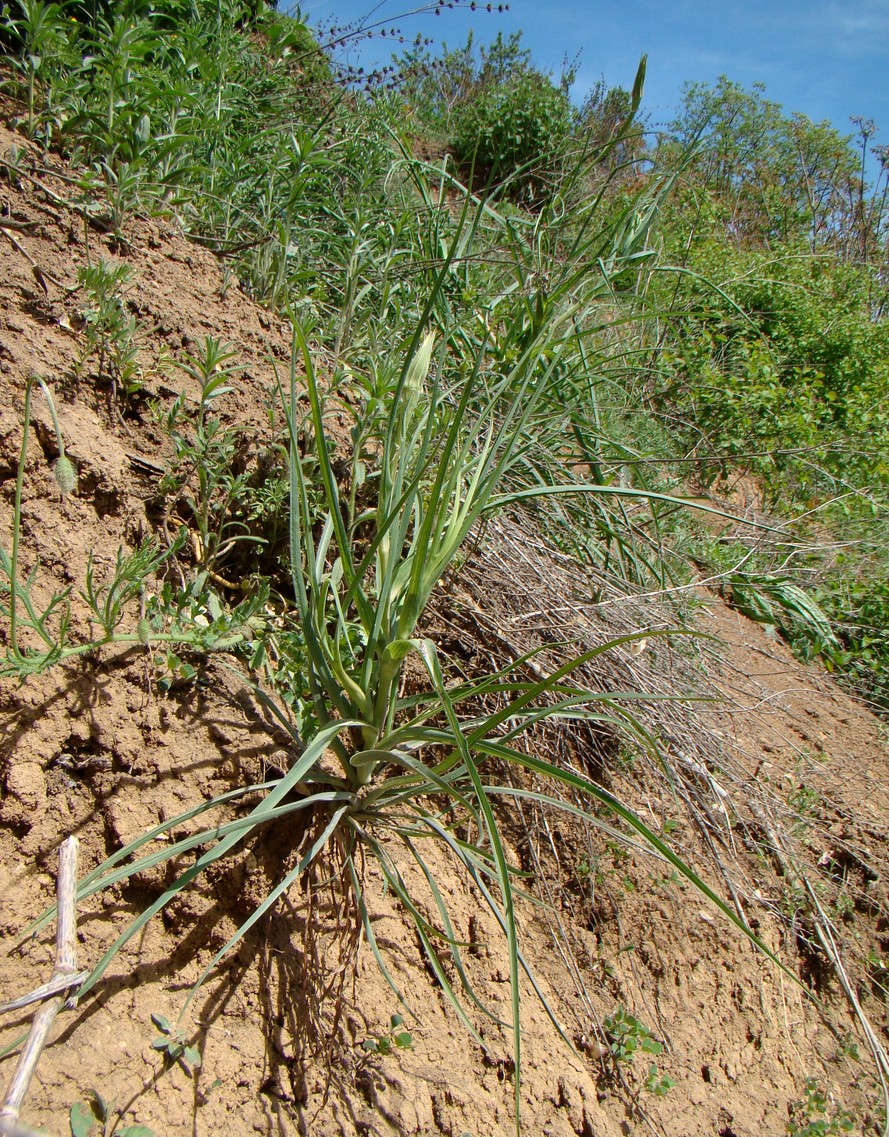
point(65, 967)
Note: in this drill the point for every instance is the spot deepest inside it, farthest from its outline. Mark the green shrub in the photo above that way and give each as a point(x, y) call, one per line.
point(515, 129)
point(860, 608)
point(780, 363)
point(502, 117)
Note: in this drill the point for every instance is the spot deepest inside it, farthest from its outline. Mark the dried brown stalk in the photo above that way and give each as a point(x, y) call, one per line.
point(65, 967)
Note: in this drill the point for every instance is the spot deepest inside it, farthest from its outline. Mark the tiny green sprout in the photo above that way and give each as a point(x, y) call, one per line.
point(98, 1117)
point(383, 1043)
point(171, 1043)
point(205, 1092)
point(849, 1048)
point(657, 1083)
point(813, 1116)
point(878, 971)
point(627, 1034)
point(174, 671)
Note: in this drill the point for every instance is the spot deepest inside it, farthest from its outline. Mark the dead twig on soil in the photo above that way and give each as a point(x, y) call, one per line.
point(39, 274)
point(824, 930)
point(65, 968)
point(54, 987)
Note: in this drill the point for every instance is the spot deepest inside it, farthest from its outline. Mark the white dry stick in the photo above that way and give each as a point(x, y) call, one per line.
point(53, 987)
point(65, 965)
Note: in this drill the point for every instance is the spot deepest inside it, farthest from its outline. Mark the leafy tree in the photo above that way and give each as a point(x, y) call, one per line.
point(775, 179)
point(603, 120)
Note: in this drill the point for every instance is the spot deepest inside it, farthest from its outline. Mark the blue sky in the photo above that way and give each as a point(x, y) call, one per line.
point(825, 58)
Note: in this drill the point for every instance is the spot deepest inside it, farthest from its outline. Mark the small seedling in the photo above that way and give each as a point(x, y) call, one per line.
point(171, 1043)
point(878, 971)
point(97, 1117)
point(111, 332)
point(205, 1092)
point(120, 186)
point(384, 1043)
point(657, 1083)
point(173, 672)
point(627, 1035)
point(849, 1049)
point(811, 1118)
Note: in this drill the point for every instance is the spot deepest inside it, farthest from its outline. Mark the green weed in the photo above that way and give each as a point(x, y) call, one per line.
point(628, 1036)
point(658, 1084)
point(40, 30)
point(878, 973)
point(97, 1117)
point(39, 635)
point(171, 1042)
point(783, 606)
point(111, 332)
point(228, 494)
point(812, 1115)
point(382, 1044)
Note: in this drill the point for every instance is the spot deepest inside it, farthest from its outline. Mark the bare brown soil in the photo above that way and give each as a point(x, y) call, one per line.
point(96, 750)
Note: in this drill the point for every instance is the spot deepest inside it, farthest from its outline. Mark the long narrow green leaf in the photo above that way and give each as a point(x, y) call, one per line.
point(451, 938)
point(430, 658)
point(499, 501)
point(583, 785)
point(358, 893)
point(423, 928)
point(151, 835)
point(280, 888)
point(259, 814)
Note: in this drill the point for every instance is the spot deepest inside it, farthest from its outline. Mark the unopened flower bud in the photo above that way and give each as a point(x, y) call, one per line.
point(65, 475)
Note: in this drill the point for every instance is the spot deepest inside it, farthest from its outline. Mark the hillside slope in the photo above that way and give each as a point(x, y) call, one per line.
point(97, 749)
